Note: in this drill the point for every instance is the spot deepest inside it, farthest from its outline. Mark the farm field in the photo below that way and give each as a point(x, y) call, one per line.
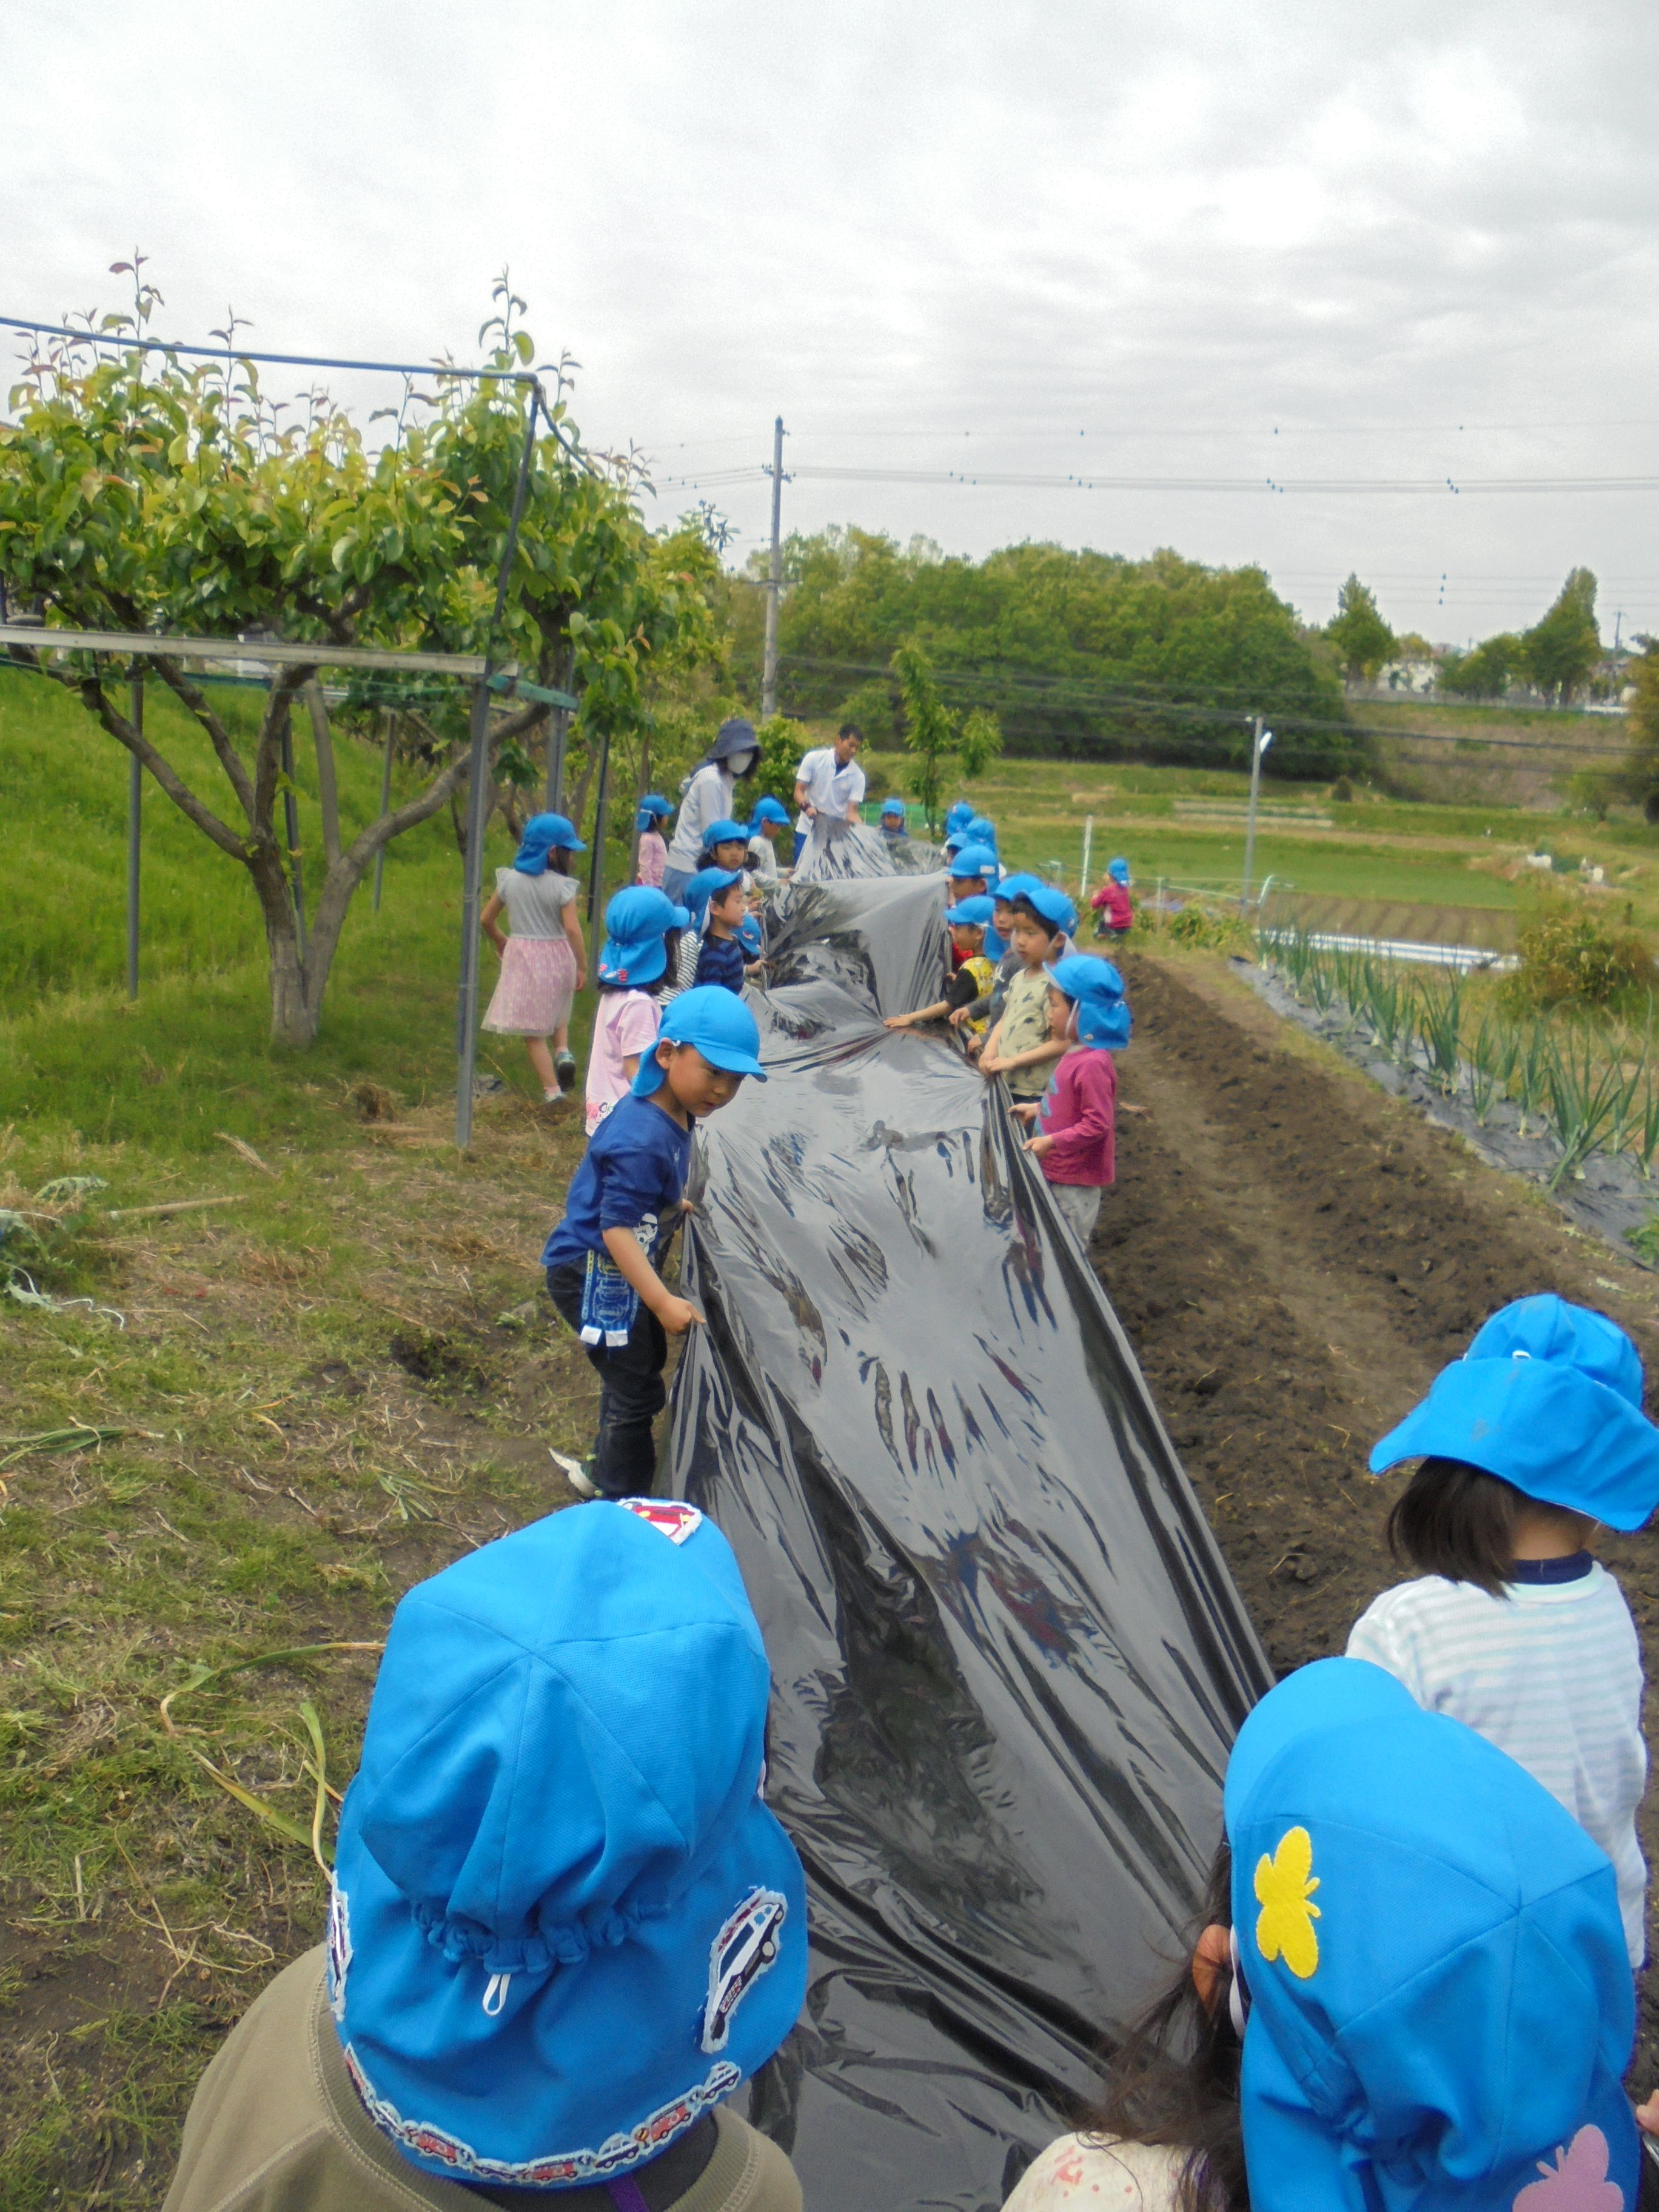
point(319, 1392)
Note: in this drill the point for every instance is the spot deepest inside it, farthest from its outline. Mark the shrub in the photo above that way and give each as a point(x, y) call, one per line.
point(1342, 792)
point(1569, 956)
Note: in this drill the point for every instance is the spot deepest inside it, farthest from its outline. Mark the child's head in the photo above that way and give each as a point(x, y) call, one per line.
point(767, 817)
point(637, 924)
point(653, 810)
point(1042, 918)
point(1085, 1003)
point(967, 921)
point(728, 907)
point(709, 1041)
point(1544, 1411)
point(1433, 1989)
point(549, 840)
point(893, 814)
point(724, 845)
point(467, 1970)
point(707, 886)
point(969, 871)
point(1118, 869)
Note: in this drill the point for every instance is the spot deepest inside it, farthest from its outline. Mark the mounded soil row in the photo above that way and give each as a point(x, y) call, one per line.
point(1294, 1255)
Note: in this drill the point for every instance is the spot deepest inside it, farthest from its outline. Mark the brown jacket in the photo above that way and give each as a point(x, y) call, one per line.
point(275, 2126)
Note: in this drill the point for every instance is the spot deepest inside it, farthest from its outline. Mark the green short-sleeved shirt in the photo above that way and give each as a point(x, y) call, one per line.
point(1025, 1024)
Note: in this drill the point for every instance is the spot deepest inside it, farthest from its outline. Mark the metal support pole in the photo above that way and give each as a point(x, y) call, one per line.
point(386, 803)
point(558, 738)
point(477, 810)
point(1250, 825)
point(1088, 851)
point(291, 821)
point(135, 840)
point(775, 580)
point(601, 822)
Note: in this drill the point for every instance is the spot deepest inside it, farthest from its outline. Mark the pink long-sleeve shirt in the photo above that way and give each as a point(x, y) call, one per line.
point(653, 859)
point(1080, 1112)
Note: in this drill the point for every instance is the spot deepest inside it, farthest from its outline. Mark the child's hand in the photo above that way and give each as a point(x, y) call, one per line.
point(989, 1064)
point(1024, 1113)
point(896, 1022)
point(1124, 1107)
point(678, 1315)
point(975, 1045)
point(1647, 2116)
point(1037, 1146)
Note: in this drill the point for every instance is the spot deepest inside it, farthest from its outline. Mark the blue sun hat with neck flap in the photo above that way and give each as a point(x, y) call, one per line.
point(544, 834)
point(718, 1023)
point(636, 924)
point(1118, 869)
point(1548, 1396)
point(958, 816)
point(564, 1923)
point(1432, 1979)
point(1100, 1013)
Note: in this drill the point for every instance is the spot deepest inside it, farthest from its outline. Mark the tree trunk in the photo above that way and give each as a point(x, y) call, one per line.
point(293, 1016)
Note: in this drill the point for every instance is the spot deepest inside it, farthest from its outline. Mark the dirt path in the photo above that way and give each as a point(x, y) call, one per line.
point(1294, 1255)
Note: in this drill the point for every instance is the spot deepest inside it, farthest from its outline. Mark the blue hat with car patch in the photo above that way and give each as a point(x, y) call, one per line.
point(1101, 1015)
point(1548, 1396)
point(544, 834)
point(970, 913)
point(564, 1924)
point(636, 921)
point(718, 1023)
point(768, 810)
point(1431, 1960)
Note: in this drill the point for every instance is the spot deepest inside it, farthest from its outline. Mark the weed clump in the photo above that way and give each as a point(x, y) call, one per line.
point(1571, 957)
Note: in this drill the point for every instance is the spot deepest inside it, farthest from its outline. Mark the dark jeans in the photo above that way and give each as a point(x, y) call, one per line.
point(631, 1391)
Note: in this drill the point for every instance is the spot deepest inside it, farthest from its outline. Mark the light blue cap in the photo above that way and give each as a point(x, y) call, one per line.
point(655, 803)
point(1011, 886)
point(1097, 990)
point(703, 885)
point(1048, 901)
point(718, 1023)
point(892, 805)
point(959, 816)
point(724, 832)
point(1440, 2000)
point(1118, 869)
point(974, 860)
point(1548, 1396)
point(544, 834)
point(768, 810)
point(975, 912)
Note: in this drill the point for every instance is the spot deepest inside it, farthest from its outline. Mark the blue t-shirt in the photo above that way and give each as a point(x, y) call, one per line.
point(632, 1177)
point(721, 961)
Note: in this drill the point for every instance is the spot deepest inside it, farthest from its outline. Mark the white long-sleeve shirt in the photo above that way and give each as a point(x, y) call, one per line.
point(708, 797)
point(1550, 1673)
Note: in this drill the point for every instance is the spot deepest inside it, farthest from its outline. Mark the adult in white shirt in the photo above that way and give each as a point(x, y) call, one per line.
point(830, 782)
point(709, 798)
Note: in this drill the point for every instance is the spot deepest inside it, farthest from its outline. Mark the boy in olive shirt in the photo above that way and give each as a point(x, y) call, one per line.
point(1020, 1048)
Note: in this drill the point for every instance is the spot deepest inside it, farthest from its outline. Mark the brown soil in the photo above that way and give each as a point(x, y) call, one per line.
point(1294, 1255)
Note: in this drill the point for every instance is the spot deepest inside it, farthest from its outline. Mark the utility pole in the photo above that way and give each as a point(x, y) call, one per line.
point(775, 580)
point(1259, 741)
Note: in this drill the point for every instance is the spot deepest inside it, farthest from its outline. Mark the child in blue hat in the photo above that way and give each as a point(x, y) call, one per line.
point(632, 969)
point(544, 961)
point(623, 1207)
point(760, 853)
point(1114, 908)
point(564, 1924)
point(1527, 1442)
point(1076, 1138)
point(712, 951)
point(967, 922)
point(1021, 1047)
point(653, 810)
point(970, 872)
point(891, 822)
point(1008, 964)
point(725, 845)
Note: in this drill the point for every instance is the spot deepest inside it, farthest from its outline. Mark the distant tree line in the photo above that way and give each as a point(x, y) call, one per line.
point(1078, 655)
point(1556, 656)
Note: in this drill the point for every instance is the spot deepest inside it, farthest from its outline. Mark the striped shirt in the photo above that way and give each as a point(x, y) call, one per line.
point(1550, 1673)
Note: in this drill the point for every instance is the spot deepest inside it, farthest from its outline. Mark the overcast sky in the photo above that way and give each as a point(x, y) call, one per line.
point(1211, 240)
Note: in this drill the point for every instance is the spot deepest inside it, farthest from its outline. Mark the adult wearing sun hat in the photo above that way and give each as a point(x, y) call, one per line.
point(565, 1925)
point(1431, 1982)
point(709, 798)
point(544, 961)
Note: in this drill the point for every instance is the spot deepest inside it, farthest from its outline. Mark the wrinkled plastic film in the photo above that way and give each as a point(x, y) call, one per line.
point(1008, 1659)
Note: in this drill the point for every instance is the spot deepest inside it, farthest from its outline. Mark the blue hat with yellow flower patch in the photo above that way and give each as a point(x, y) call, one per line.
point(564, 1923)
point(1430, 1949)
point(1548, 1396)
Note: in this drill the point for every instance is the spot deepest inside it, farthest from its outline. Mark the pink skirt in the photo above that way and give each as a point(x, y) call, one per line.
point(538, 983)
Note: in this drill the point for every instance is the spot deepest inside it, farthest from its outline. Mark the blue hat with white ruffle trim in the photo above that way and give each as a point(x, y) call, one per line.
point(1548, 1396)
point(564, 1923)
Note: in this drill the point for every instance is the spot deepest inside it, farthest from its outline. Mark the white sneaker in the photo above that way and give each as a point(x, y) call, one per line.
point(575, 1472)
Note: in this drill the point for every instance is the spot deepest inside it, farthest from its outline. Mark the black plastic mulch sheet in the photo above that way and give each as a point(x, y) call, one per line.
point(838, 852)
point(1008, 1659)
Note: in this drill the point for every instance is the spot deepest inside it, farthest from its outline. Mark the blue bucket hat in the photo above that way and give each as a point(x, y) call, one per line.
point(1012, 887)
point(1048, 903)
point(983, 830)
point(1095, 989)
point(768, 810)
point(1548, 1396)
point(892, 806)
point(749, 936)
point(718, 1023)
point(959, 816)
point(724, 832)
point(636, 921)
point(564, 1924)
point(1118, 869)
point(975, 912)
point(655, 803)
point(973, 860)
point(544, 834)
point(1444, 2029)
point(702, 887)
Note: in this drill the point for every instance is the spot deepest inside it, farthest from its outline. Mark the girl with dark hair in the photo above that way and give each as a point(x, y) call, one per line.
point(1166, 2135)
point(544, 961)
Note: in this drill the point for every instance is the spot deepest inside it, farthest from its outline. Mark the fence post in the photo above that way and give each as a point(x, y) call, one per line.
point(135, 840)
point(291, 821)
point(385, 802)
point(1088, 850)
